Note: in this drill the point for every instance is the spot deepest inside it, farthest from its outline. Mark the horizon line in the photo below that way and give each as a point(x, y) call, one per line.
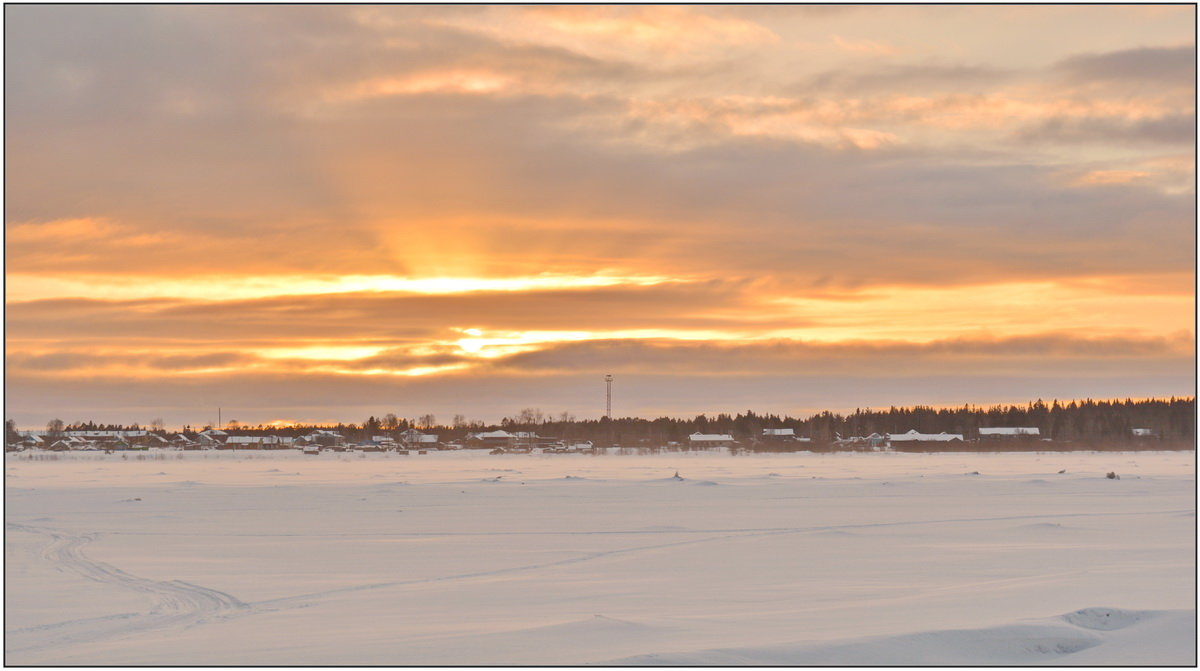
point(549, 419)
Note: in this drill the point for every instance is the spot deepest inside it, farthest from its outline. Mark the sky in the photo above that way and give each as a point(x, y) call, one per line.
point(321, 213)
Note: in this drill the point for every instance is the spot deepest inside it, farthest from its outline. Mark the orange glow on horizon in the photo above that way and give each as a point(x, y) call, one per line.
point(29, 287)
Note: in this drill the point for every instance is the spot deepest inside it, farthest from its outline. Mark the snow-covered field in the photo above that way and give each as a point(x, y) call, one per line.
point(467, 558)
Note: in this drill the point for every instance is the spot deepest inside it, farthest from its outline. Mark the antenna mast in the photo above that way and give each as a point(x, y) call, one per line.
point(608, 396)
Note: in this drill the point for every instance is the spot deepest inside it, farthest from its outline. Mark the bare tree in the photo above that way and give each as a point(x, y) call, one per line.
point(390, 422)
point(530, 416)
point(427, 421)
point(157, 425)
point(54, 428)
point(460, 421)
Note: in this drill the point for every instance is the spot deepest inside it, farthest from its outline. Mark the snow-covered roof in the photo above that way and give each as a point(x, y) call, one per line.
point(247, 440)
point(1010, 431)
point(494, 434)
point(779, 432)
point(251, 440)
point(91, 433)
point(709, 437)
point(414, 436)
point(913, 436)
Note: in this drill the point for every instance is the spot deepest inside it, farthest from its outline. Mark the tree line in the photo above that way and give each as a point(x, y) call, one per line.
point(1106, 422)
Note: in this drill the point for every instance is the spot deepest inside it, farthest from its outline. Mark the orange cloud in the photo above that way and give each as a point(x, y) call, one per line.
point(131, 286)
point(749, 117)
point(864, 46)
point(875, 122)
point(1105, 177)
point(460, 81)
point(461, 333)
point(62, 231)
point(618, 32)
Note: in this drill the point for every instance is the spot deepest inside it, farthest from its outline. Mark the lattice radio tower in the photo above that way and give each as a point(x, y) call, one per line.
point(608, 396)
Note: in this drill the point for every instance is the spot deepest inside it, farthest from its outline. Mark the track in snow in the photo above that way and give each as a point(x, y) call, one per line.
point(176, 603)
point(713, 535)
point(181, 604)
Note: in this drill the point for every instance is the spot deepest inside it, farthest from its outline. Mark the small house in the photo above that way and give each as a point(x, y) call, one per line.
point(710, 440)
point(913, 436)
point(413, 438)
point(491, 439)
point(1009, 433)
point(326, 438)
point(875, 441)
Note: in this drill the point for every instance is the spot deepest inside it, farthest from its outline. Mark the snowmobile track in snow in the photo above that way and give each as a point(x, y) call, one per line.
point(176, 603)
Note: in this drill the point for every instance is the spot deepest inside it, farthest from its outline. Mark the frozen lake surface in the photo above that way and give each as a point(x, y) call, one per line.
point(468, 558)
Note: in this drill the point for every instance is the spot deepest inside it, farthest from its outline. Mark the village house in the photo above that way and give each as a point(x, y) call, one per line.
point(326, 438)
point(912, 436)
point(103, 435)
point(257, 443)
point(491, 439)
point(782, 436)
point(182, 441)
point(710, 440)
point(1009, 433)
point(547, 442)
point(29, 439)
point(525, 441)
point(152, 440)
point(69, 443)
point(369, 445)
point(413, 439)
point(875, 441)
point(210, 438)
